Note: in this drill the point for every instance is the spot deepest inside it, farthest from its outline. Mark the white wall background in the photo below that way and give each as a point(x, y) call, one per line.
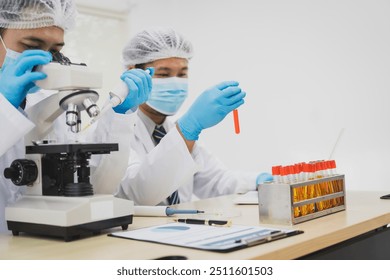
point(97, 40)
point(312, 70)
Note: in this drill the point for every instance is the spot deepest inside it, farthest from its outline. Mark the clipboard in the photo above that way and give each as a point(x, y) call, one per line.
point(211, 238)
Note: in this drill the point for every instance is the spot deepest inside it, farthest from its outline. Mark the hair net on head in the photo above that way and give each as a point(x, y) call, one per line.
point(156, 43)
point(26, 14)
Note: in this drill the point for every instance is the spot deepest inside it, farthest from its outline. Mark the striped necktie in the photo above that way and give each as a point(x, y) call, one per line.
point(158, 133)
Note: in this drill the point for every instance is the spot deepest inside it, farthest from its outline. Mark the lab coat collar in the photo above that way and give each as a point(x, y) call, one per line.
point(141, 134)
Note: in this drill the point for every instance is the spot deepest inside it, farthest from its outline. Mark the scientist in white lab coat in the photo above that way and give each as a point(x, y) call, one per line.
point(30, 31)
point(177, 168)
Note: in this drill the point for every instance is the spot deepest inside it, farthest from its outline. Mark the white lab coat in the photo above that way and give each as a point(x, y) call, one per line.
point(106, 170)
point(169, 166)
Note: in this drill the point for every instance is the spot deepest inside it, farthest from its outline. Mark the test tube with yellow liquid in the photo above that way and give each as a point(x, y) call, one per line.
point(287, 177)
point(309, 169)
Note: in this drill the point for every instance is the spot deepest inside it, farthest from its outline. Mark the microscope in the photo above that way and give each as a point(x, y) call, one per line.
point(59, 198)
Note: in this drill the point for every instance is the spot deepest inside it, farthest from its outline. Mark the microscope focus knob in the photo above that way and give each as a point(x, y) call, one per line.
point(22, 172)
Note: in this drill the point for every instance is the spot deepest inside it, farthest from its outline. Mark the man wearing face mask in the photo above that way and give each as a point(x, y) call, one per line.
point(30, 32)
point(178, 167)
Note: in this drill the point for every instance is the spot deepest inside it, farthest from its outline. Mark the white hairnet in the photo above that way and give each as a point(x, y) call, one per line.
point(26, 14)
point(156, 43)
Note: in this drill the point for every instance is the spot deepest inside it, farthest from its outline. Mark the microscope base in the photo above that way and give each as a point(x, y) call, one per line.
point(68, 217)
point(69, 233)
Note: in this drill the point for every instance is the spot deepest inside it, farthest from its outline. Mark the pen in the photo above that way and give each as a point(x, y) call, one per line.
point(171, 211)
point(205, 222)
point(236, 121)
point(262, 238)
point(161, 211)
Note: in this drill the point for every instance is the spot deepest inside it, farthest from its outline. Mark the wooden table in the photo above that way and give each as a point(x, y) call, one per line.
point(330, 236)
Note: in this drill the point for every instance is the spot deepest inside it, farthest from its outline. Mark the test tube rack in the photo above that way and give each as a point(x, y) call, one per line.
point(290, 204)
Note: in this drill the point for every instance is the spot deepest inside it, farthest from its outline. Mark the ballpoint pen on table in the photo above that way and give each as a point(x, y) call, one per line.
point(171, 211)
point(262, 238)
point(162, 211)
point(205, 222)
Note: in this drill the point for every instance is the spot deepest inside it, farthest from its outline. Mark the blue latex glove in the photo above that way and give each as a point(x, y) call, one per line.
point(264, 177)
point(139, 83)
point(210, 108)
point(16, 78)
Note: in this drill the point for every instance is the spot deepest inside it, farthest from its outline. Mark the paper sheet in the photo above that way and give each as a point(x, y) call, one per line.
point(204, 237)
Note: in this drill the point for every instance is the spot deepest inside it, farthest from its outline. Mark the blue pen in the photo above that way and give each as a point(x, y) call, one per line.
point(161, 211)
point(170, 211)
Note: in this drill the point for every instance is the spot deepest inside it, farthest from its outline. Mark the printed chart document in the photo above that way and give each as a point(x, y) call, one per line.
point(212, 238)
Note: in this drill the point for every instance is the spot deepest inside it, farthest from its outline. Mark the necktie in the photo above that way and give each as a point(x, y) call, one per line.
point(158, 133)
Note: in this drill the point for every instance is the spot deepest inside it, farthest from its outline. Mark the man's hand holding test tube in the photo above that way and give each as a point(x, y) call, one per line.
point(210, 108)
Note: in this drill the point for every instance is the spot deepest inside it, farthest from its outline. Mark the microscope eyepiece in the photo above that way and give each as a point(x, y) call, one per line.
point(60, 58)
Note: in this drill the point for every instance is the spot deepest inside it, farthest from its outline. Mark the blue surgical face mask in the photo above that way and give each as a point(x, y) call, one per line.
point(168, 94)
point(10, 56)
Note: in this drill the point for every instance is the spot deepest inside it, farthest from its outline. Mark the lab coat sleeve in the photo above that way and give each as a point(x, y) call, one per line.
point(214, 179)
point(13, 125)
point(168, 166)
